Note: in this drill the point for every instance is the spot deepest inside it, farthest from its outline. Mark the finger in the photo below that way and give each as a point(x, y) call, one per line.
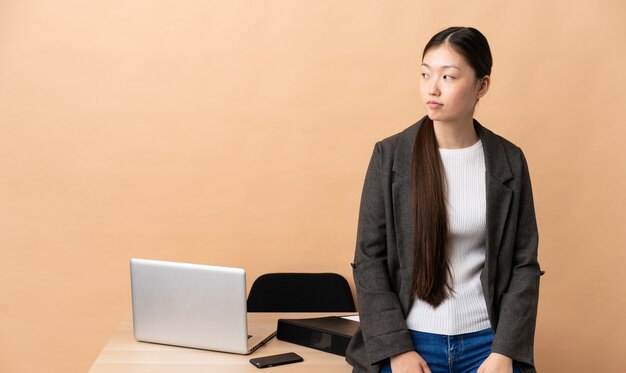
point(424, 367)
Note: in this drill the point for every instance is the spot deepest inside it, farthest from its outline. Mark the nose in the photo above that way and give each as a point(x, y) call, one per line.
point(433, 88)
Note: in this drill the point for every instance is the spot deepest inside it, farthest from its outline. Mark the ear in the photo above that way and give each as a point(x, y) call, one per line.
point(483, 86)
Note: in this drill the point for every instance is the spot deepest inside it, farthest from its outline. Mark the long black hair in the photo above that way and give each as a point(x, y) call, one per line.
point(431, 272)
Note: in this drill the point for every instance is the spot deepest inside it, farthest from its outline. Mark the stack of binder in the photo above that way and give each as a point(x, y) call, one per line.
point(330, 334)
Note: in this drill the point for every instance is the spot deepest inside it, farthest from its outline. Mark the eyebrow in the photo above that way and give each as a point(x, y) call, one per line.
point(444, 66)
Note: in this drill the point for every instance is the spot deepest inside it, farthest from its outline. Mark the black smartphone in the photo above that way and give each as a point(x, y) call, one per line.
point(271, 361)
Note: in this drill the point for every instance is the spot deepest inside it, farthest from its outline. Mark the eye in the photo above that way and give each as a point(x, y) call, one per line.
point(448, 77)
point(424, 75)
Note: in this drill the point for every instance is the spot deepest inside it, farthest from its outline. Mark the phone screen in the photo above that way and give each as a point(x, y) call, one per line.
point(270, 361)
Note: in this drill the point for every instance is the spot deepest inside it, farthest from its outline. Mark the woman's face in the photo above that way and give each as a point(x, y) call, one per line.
point(448, 86)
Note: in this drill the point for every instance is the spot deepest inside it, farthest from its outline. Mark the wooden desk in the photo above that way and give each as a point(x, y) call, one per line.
point(123, 353)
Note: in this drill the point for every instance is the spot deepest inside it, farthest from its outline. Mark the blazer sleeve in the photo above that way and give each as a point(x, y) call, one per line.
point(514, 336)
point(383, 324)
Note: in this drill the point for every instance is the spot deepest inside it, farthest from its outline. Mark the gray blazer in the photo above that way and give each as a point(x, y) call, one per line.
point(383, 263)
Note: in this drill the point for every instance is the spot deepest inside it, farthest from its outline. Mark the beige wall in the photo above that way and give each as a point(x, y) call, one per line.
point(238, 133)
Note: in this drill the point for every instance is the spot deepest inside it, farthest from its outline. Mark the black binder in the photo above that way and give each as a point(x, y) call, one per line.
point(330, 334)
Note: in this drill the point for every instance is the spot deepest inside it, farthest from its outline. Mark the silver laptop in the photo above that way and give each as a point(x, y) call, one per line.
point(193, 305)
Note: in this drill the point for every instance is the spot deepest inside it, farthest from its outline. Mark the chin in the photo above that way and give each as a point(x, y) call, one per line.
point(433, 115)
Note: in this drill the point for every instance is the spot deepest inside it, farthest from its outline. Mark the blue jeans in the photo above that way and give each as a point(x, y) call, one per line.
point(463, 353)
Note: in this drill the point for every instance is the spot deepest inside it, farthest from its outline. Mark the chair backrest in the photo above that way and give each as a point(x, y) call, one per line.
point(300, 292)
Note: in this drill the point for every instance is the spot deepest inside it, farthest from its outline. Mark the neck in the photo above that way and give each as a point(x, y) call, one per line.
point(457, 135)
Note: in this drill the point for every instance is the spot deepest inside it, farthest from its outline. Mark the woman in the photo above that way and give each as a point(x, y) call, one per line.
point(446, 266)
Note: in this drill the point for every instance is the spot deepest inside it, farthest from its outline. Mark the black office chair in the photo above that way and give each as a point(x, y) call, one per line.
point(300, 292)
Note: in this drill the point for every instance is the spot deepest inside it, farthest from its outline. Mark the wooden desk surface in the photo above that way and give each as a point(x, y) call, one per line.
point(123, 353)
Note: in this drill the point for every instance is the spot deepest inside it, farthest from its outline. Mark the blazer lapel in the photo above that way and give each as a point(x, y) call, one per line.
point(404, 220)
point(499, 196)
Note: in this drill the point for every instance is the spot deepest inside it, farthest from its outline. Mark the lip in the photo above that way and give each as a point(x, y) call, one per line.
point(434, 104)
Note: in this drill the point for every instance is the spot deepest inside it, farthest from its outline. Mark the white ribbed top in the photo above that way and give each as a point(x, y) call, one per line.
point(465, 311)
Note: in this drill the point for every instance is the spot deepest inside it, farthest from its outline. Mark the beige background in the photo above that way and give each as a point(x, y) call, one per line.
point(238, 133)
